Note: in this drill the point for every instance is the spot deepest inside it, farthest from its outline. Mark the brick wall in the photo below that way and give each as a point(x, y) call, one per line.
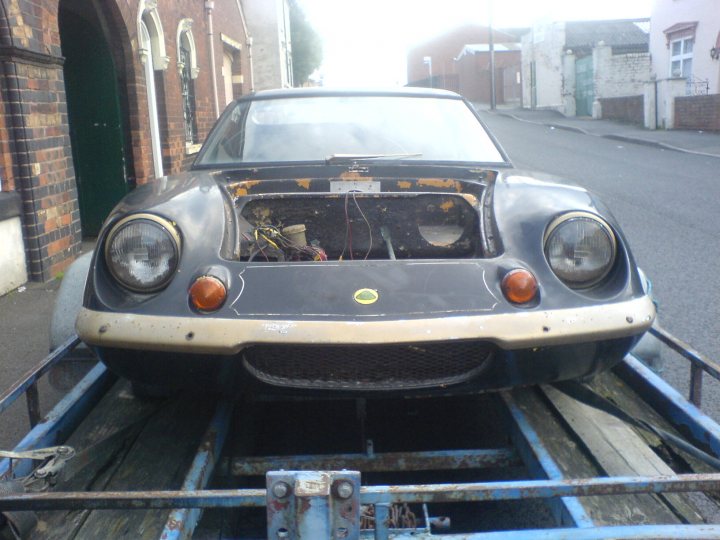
point(629, 109)
point(37, 135)
point(35, 148)
point(698, 112)
point(474, 75)
point(227, 21)
point(7, 175)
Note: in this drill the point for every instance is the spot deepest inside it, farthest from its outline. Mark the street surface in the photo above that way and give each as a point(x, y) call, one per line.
point(668, 205)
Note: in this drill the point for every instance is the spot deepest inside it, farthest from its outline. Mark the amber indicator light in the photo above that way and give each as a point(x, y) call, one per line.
point(207, 293)
point(519, 286)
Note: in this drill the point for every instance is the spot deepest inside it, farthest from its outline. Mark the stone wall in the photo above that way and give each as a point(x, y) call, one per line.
point(12, 254)
point(618, 75)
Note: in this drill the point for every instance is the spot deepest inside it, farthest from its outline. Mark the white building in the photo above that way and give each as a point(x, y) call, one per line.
point(683, 35)
point(269, 25)
point(569, 66)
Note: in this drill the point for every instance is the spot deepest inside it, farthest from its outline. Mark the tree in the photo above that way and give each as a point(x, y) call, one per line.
point(307, 53)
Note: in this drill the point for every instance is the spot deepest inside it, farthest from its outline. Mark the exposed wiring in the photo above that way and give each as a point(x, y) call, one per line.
point(270, 236)
point(368, 226)
point(348, 230)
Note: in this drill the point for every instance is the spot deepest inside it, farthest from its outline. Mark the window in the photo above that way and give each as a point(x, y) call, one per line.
point(188, 70)
point(680, 40)
point(681, 53)
point(153, 58)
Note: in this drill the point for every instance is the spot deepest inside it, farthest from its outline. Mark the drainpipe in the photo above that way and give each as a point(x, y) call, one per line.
point(249, 43)
point(491, 47)
point(209, 6)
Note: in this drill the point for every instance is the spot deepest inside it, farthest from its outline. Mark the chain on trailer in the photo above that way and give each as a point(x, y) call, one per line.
point(323, 496)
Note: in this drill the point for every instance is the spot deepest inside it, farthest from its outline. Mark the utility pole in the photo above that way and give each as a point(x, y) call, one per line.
point(427, 60)
point(491, 46)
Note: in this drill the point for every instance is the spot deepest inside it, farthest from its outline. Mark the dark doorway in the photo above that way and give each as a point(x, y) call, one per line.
point(97, 130)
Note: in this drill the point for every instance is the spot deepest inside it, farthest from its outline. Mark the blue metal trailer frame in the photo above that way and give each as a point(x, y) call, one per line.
point(326, 502)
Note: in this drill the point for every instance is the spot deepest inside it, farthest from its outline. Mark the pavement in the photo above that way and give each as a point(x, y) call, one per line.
point(703, 143)
point(25, 315)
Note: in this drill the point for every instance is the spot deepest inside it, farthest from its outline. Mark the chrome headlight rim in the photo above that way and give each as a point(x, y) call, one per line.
point(166, 225)
point(604, 226)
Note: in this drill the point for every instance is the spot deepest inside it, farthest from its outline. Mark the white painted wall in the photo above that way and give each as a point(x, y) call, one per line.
point(12, 255)
point(544, 45)
point(621, 74)
point(665, 13)
point(272, 53)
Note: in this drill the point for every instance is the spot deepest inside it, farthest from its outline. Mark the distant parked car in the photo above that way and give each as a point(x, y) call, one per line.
point(359, 242)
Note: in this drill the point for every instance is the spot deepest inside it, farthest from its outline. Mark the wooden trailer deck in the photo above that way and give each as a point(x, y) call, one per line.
point(531, 462)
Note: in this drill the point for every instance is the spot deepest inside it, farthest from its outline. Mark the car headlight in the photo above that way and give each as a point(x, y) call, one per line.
point(580, 248)
point(142, 252)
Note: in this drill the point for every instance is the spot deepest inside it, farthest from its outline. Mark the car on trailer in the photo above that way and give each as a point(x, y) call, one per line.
point(359, 242)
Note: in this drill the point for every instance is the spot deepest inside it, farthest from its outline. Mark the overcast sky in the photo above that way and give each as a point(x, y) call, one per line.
point(365, 41)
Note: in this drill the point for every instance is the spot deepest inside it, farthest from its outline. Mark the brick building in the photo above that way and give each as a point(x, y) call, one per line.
point(434, 62)
point(474, 80)
point(96, 98)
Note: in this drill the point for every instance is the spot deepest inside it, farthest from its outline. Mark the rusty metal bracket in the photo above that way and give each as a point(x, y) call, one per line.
point(57, 456)
point(313, 504)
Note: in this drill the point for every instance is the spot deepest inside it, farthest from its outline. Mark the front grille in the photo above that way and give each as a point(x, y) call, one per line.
point(357, 367)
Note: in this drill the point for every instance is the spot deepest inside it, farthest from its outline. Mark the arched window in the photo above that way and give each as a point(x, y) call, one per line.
point(152, 55)
point(188, 70)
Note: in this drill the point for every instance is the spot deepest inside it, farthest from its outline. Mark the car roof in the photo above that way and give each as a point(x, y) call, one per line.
point(406, 91)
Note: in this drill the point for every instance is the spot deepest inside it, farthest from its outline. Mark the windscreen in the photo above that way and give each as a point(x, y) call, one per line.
point(301, 129)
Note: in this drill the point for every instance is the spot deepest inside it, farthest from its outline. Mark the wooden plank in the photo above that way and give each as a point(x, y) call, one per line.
point(115, 411)
point(574, 462)
point(157, 458)
point(618, 449)
point(616, 390)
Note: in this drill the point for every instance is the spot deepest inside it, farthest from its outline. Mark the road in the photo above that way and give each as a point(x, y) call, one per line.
point(668, 205)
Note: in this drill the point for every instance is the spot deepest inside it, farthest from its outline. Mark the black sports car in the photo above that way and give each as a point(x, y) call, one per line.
point(359, 242)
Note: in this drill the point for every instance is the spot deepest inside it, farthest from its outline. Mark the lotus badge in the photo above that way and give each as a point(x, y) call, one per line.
point(366, 296)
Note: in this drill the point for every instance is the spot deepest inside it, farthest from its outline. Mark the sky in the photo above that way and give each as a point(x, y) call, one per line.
point(366, 41)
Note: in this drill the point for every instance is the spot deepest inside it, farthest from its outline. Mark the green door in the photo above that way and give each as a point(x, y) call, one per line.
point(584, 87)
point(96, 129)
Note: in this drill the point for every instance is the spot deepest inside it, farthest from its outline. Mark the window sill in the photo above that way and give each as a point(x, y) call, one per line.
point(192, 148)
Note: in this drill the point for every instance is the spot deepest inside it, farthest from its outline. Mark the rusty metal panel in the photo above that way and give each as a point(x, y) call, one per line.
point(313, 504)
point(388, 461)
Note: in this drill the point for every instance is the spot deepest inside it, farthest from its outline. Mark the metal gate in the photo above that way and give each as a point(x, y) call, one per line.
point(584, 87)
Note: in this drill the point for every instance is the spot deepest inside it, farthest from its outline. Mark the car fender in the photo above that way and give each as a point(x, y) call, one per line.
point(69, 300)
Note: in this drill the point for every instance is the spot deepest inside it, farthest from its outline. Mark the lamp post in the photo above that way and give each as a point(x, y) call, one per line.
point(491, 47)
point(427, 60)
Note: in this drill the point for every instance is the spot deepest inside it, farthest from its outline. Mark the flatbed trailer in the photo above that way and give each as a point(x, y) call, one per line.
point(537, 462)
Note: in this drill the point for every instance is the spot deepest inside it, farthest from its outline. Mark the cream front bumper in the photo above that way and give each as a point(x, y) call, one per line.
point(208, 335)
